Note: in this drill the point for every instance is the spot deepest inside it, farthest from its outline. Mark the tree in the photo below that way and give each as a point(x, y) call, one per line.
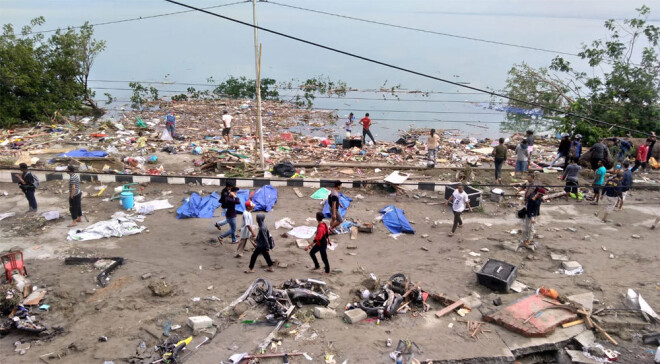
point(41, 78)
point(623, 87)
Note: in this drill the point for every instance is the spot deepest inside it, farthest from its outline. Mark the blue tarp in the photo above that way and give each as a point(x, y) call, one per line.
point(84, 153)
point(345, 201)
point(265, 198)
point(196, 206)
point(243, 196)
point(395, 220)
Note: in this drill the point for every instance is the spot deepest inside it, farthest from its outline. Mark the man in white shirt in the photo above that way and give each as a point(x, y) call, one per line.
point(226, 126)
point(247, 231)
point(459, 200)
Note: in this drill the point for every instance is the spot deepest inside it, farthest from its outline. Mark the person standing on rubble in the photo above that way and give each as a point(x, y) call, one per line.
point(75, 196)
point(459, 200)
point(349, 124)
point(320, 244)
point(170, 123)
point(599, 152)
point(529, 187)
point(571, 174)
point(612, 193)
point(575, 150)
point(642, 156)
point(529, 136)
point(335, 204)
point(500, 154)
point(264, 245)
point(432, 146)
point(563, 150)
point(226, 126)
point(522, 158)
point(28, 183)
point(366, 123)
point(599, 180)
point(230, 203)
point(533, 207)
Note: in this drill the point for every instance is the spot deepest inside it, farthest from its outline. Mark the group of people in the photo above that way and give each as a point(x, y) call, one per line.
point(226, 119)
point(28, 183)
point(366, 125)
point(261, 239)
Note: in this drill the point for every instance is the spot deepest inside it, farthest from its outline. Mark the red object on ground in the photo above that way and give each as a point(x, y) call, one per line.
point(14, 264)
point(531, 316)
point(98, 135)
point(287, 136)
point(325, 142)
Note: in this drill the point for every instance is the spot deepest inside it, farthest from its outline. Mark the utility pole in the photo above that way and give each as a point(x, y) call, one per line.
point(257, 67)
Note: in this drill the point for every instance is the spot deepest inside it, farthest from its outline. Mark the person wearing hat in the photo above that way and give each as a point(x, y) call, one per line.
point(27, 183)
point(75, 196)
point(563, 150)
point(226, 126)
point(247, 231)
point(533, 211)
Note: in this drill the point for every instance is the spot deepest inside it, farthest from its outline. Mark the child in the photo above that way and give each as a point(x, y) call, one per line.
point(142, 143)
point(320, 244)
point(246, 230)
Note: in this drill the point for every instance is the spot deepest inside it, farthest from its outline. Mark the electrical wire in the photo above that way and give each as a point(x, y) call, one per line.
point(407, 70)
point(135, 19)
point(424, 30)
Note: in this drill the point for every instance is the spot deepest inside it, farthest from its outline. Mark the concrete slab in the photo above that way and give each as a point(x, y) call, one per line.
point(585, 299)
point(586, 338)
point(579, 357)
point(520, 345)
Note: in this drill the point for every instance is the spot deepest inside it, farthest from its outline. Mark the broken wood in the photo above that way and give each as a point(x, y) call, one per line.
point(297, 192)
point(602, 331)
point(412, 289)
point(449, 308)
point(572, 323)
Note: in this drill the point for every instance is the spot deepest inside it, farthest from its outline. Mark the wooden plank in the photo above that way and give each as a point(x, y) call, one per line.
point(449, 308)
point(297, 191)
point(573, 323)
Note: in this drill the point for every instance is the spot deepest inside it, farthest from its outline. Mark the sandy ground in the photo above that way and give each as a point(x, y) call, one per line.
point(178, 252)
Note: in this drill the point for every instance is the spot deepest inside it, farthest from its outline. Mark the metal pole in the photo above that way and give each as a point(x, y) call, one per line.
point(257, 61)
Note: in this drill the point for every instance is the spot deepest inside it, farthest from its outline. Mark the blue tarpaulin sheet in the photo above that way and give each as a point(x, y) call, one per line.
point(395, 220)
point(265, 198)
point(197, 206)
point(344, 201)
point(84, 153)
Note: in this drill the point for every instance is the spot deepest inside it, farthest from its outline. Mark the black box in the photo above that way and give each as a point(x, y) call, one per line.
point(350, 143)
point(497, 275)
point(474, 195)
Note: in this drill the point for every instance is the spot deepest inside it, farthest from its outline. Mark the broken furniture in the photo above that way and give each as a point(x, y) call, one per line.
point(14, 264)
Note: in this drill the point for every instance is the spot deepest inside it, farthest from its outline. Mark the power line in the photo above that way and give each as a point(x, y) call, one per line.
point(403, 69)
point(425, 30)
point(138, 18)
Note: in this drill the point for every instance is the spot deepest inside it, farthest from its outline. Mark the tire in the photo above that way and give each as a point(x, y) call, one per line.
point(399, 283)
point(261, 289)
point(366, 306)
point(307, 296)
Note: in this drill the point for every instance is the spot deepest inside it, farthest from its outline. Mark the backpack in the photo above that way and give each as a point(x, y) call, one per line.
point(35, 180)
point(573, 151)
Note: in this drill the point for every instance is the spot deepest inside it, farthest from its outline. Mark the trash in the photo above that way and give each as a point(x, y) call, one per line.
point(302, 232)
point(635, 301)
point(6, 215)
point(396, 178)
point(354, 315)
point(103, 276)
point(51, 215)
point(196, 206)
point(151, 206)
point(321, 194)
point(199, 322)
point(119, 225)
point(285, 223)
point(497, 275)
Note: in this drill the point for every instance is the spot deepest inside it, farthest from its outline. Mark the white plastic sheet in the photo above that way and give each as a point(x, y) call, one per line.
point(119, 225)
point(303, 232)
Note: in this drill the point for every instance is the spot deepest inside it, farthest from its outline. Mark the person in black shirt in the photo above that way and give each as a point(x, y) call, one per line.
point(26, 182)
point(335, 204)
point(612, 194)
point(533, 211)
point(225, 192)
point(563, 150)
point(230, 203)
point(264, 245)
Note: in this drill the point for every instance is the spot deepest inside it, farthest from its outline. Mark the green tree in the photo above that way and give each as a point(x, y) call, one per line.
point(622, 87)
point(41, 78)
point(242, 88)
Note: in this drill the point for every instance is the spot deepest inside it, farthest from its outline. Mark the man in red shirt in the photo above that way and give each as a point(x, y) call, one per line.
point(320, 244)
point(366, 122)
point(642, 153)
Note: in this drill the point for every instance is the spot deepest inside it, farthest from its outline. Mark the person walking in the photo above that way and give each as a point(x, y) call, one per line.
point(612, 193)
point(642, 156)
point(226, 127)
point(349, 124)
point(623, 146)
point(576, 147)
point(247, 231)
point(229, 203)
point(571, 175)
point(264, 245)
point(366, 123)
point(529, 136)
point(170, 123)
point(598, 153)
point(652, 139)
point(522, 158)
point(432, 146)
point(459, 200)
point(626, 184)
point(500, 154)
point(320, 244)
point(563, 150)
point(533, 207)
point(75, 196)
point(599, 180)
point(28, 183)
point(335, 204)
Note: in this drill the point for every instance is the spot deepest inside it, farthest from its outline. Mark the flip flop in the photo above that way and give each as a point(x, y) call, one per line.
point(248, 272)
point(269, 270)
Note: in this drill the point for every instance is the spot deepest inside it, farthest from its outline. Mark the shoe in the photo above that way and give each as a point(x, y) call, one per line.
point(220, 240)
point(218, 226)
